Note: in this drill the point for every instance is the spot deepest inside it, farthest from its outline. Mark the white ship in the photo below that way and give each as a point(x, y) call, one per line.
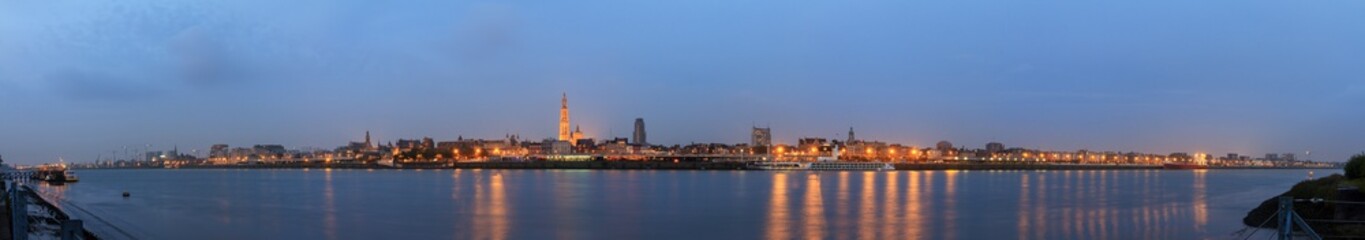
point(823, 163)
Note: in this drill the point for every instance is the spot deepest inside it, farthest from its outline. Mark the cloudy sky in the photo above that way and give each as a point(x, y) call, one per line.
point(81, 79)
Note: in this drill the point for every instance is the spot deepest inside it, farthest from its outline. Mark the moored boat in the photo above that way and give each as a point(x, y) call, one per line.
point(1173, 165)
point(54, 173)
point(777, 166)
point(70, 176)
point(823, 163)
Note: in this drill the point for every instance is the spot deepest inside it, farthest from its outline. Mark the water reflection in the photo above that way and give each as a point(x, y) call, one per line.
point(890, 221)
point(814, 214)
point(1201, 208)
point(796, 205)
point(866, 209)
point(1023, 207)
point(329, 206)
point(1040, 208)
point(950, 206)
point(1096, 205)
point(842, 208)
point(491, 209)
point(914, 207)
point(778, 216)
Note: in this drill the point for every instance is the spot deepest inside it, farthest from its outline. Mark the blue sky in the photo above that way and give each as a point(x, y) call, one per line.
point(80, 79)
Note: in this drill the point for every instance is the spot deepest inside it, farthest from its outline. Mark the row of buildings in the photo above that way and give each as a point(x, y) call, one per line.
point(572, 144)
point(512, 148)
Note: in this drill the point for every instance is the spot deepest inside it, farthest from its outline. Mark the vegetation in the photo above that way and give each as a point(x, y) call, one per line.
point(1355, 168)
point(1326, 188)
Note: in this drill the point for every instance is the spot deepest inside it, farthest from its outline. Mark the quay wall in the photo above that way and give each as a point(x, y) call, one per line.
point(668, 165)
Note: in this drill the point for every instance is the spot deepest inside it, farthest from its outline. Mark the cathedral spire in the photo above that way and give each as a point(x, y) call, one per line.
point(564, 132)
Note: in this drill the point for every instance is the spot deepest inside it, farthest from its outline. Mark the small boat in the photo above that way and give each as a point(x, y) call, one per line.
point(71, 176)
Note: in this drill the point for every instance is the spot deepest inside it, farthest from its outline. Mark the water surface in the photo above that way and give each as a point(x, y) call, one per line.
point(642, 204)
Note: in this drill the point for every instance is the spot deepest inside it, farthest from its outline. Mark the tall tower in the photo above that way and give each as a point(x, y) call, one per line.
point(850, 135)
point(761, 137)
point(564, 134)
point(367, 139)
point(640, 132)
point(576, 135)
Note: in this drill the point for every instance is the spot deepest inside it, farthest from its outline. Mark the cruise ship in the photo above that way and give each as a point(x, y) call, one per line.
point(822, 163)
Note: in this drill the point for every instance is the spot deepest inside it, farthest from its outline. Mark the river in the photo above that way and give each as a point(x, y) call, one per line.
point(645, 204)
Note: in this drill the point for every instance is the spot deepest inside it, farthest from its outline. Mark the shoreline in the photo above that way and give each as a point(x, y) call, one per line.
point(647, 165)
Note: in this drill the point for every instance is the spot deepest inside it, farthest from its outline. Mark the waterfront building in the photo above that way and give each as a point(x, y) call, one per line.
point(813, 146)
point(639, 134)
point(218, 150)
point(556, 147)
point(761, 137)
point(866, 150)
point(267, 151)
point(577, 135)
point(944, 147)
point(617, 146)
point(933, 154)
point(994, 148)
point(585, 145)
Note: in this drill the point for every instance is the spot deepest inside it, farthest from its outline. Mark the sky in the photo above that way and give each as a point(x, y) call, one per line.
point(86, 79)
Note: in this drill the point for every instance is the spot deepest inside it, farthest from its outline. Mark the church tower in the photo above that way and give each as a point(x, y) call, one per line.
point(564, 134)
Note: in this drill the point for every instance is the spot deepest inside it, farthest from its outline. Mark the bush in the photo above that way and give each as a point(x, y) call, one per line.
point(1325, 188)
point(1355, 168)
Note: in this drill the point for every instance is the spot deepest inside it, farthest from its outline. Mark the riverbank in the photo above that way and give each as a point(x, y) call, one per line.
point(740, 166)
point(663, 165)
point(37, 217)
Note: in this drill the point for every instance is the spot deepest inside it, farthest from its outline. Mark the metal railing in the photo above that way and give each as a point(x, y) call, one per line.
point(30, 215)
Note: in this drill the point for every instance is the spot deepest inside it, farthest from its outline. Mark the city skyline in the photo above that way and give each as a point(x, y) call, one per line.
point(1270, 77)
point(760, 143)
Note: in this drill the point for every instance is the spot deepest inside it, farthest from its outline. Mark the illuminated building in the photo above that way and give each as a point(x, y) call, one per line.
point(576, 135)
point(944, 146)
point(994, 148)
point(564, 134)
point(762, 137)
